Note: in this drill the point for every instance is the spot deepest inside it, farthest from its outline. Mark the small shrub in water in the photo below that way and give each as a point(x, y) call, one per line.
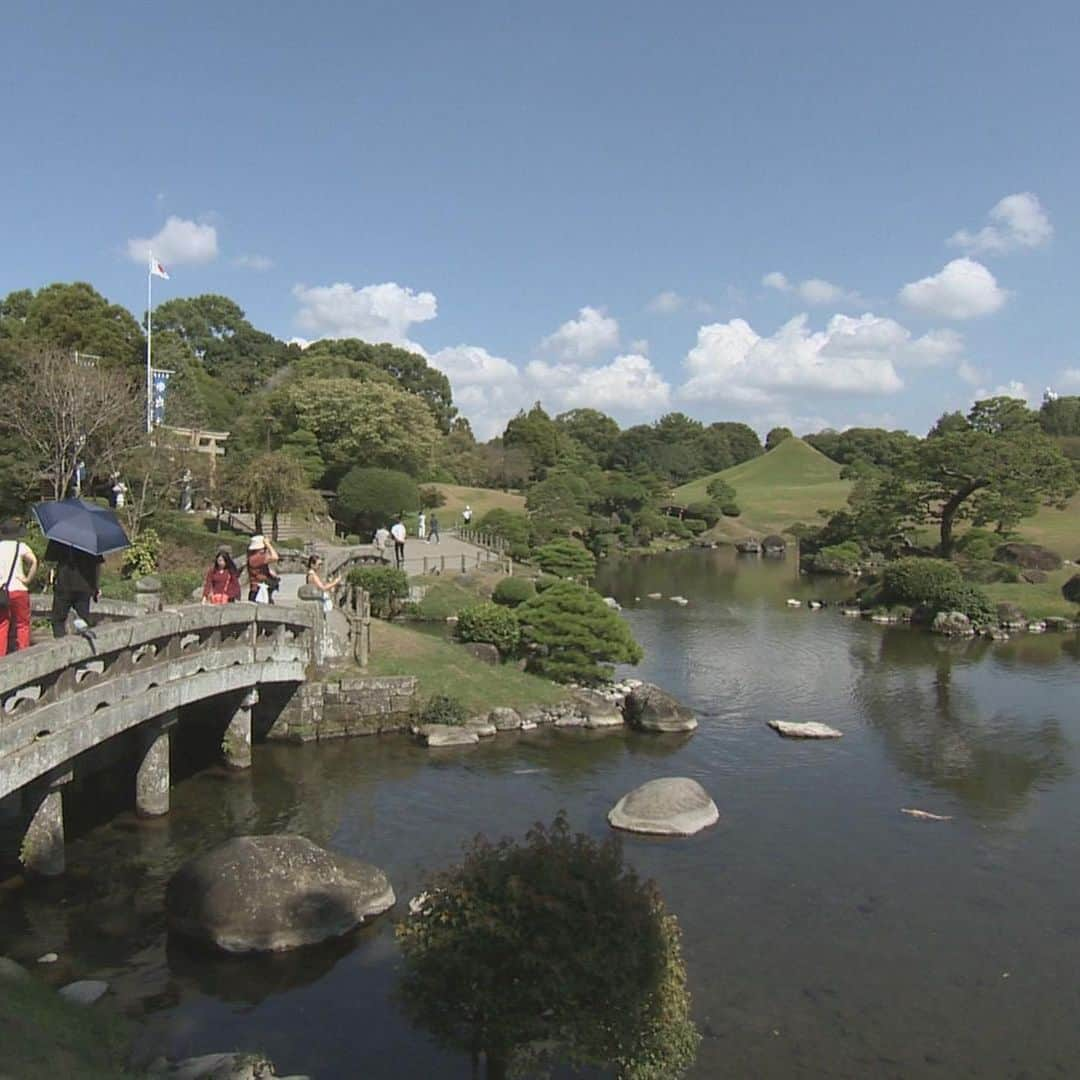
point(443, 709)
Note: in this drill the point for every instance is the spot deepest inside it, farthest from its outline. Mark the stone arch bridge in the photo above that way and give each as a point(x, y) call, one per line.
point(63, 702)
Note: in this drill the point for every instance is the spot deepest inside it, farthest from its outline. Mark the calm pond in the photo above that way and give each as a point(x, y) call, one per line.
point(826, 933)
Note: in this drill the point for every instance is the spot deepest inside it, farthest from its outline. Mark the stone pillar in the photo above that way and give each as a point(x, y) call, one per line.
point(42, 850)
point(325, 647)
point(152, 778)
point(236, 745)
point(148, 593)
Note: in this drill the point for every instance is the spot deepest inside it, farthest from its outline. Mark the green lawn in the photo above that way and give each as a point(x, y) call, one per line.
point(444, 667)
point(788, 484)
point(44, 1036)
point(480, 499)
point(1059, 530)
point(1036, 601)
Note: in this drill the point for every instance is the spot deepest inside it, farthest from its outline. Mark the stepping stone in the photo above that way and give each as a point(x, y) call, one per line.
point(810, 730)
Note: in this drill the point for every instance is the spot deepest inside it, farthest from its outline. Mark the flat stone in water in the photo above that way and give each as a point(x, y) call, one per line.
point(810, 730)
point(670, 806)
point(446, 735)
point(84, 992)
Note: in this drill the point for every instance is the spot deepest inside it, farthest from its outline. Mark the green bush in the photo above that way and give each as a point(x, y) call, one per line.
point(648, 524)
point(730, 509)
point(141, 558)
point(431, 498)
point(512, 591)
point(978, 545)
point(492, 623)
point(695, 525)
point(933, 585)
point(550, 952)
point(511, 526)
point(443, 709)
point(838, 558)
point(705, 509)
point(544, 582)
point(352, 539)
point(678, 528)
point(383, 584)
point(720, 490)
point(574, 636)
point(368, 498)
point(566, 559)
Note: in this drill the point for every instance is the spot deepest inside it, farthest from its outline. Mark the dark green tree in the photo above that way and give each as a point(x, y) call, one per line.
point(546, 952)
point(538, 435)
point(595, 431)
point(777, 436)
point(368, 498)
point(566, 558)
point(574, 635)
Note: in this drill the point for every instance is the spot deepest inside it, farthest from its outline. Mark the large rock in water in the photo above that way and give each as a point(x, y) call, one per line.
point(672, 806)
point(649, 708)
point(270, 893)
point(1071, 589)
point(597, 710)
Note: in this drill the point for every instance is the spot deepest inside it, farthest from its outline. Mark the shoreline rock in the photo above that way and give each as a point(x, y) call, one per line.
point(811, 729)
point(648, 708)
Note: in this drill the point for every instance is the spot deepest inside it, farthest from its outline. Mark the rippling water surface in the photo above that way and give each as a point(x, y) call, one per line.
point(826, 933)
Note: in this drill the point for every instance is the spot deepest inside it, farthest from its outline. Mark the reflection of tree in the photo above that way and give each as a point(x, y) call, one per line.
point(934, 730)
point(546, 951)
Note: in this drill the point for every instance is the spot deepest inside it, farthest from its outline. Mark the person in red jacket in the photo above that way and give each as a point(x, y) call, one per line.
point(222, 582)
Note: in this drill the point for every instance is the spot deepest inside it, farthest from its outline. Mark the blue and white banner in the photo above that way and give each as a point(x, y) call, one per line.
point(159, 380)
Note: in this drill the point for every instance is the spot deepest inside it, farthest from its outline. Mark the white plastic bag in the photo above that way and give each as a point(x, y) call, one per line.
point(262, 594)
point(327, 603)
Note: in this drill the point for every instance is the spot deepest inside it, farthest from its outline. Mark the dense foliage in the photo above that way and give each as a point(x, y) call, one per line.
point(550, 951)
point(443, 709)
point(933, 585)
point(512, 591)
point(566, 559)
point(383, 584)
point(574, 636)
point(368, 498)
point(489, 622)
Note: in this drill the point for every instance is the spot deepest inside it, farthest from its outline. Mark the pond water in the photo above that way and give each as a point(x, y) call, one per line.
point(826, 933)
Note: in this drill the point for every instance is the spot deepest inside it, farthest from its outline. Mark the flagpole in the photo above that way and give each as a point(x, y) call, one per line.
point(149, 335)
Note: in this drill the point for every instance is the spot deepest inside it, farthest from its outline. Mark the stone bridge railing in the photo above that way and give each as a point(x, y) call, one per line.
point(59, 700)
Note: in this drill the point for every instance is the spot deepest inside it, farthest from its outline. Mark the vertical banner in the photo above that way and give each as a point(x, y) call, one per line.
point(160, 383)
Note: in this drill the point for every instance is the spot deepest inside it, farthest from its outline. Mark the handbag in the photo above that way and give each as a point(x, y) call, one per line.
point(262, 594)
point(5, 595)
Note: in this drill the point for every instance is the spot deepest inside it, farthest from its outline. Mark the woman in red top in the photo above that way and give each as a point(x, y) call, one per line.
point(222, 583)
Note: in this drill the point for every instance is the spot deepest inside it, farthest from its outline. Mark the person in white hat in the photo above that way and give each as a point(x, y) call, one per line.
point(260, 555)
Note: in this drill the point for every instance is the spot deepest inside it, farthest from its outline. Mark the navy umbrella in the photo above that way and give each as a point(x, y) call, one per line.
point(82, 525)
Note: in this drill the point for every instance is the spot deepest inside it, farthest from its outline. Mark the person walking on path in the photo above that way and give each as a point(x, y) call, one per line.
point(398, 533)
point(433, 531)
point(75, 584)
point(466, 515)
point(421, 526)
point(382, 538)
point(261, 577)
point(21, 565)
point(222, 582)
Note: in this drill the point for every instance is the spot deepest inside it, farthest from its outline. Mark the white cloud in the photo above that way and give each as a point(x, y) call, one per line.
point(1017, 221)
point(177, 241)
point(732, 362)
point(666, 302)
point(963, 289)
point(629, 383)
point(375, 313)
point(1070, 378)
point(640, 345)
point(584, 337)
point(817, 292)
point(254, 262)
point(970, 373)
point(470, 365)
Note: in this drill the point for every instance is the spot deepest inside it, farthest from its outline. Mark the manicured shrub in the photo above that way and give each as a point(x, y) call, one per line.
point(512, 591)
point(368, 498)
point(431, 498)
point(574, 636)
point(720, 491)
point(383, 584)
point(730, 509)
point(566, 559)
point(933, 585)
point(838, 558)
point(513, 527)
point(707, 510)
point(550, 952)
point(695, 525)
point(978, 544)
point(491, 623)
point(443, 709)
point(648, 525)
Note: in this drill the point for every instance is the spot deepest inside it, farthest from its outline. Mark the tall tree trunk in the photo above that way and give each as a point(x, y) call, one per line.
point(258, 521)
point(274, 526)
point(948, 515)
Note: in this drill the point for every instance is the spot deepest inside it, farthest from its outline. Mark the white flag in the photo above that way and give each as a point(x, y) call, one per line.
point(157, 269)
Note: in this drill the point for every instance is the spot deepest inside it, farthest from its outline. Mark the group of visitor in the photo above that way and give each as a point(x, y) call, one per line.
point(427, 529)
point(222, 582)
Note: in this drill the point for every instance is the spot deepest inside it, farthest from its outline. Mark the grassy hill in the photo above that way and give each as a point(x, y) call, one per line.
point(788, 484)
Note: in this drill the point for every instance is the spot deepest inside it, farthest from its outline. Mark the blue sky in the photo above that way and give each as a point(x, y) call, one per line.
point(787, 213)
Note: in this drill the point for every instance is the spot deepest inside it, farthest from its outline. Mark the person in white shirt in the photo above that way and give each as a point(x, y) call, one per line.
point(421, 526)
point(18, 564)
point(397, 531)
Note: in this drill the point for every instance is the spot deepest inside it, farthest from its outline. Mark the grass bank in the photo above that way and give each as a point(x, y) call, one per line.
point(480, 499)
point(446, 668)
point(1036, 601)
point(42, 1035)
point(788, 484)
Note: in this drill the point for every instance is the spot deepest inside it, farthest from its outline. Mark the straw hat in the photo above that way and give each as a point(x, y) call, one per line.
point(257, 543)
